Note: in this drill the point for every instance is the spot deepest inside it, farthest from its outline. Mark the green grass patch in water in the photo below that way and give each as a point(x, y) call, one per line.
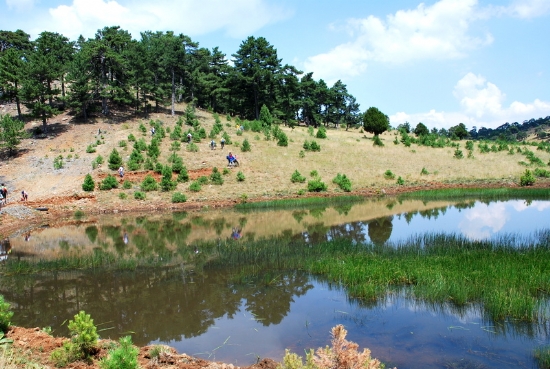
point(296, 203)
point(478, 193)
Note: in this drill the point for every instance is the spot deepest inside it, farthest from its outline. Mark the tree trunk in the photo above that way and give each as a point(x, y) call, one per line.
point(173, 92)
point(63, 90)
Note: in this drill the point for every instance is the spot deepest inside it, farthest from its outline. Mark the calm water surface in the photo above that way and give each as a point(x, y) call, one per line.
point(220, 314)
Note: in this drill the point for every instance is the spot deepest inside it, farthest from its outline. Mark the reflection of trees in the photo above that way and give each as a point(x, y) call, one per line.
point(380, 229)
point(157, 304)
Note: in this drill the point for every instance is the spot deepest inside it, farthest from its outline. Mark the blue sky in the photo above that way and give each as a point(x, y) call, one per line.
point(477, 62)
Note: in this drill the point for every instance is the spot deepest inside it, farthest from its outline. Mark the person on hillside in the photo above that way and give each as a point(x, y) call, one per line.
point(230, 159)
point(24, 196)
point(189, 137)
point(152, 131)
point(121, 171)
point(4, 191)
point(212, 145)
point(222, 142)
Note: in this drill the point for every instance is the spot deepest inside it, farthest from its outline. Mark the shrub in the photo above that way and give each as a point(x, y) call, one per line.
point(192, 147)
point(89, 184)
point(122, 144)
point(400, 181)
point(123, 357)
point(542, 173)
point(58, 162)
point(115, 160)
point(388, 174)
point(527, 179)
point(177, 164)
point(469, 145)
point(316, 185)
point(108, 183)
point(377, 141)
point(246, 145)
point(158, 168)
point(310, 131)
point(138, 195)
point(195, 186)
point(321, 132)
point(458, 154)
point(216, 177)
point(83, 333)
point(99, 159)
point(149, 184)
point(178, 197)
point(202, 180)
point(306, 145)
point(133, 165)
point(301, 154)
point(166, 183)
point(424, 171)
point(297, 177)
point(282, 139)
point(131, 137)
point(153, 150)
point(137, 156)
point(149, 165)
point(5, 315)
point(183, 176)
point(122, 196)
point(240, 176)
point(225, 171)
point(314, 146)
point(140, 145)
point(343, 182)
point(90, 149)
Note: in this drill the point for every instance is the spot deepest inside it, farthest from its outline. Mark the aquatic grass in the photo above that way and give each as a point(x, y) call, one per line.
point(542, 357)
point(475, 193)
point(298, 202)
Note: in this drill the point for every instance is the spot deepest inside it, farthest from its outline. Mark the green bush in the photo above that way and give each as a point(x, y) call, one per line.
point(166, 183)
point(133, 165)
point(225, 171)
point(149, 184)
point(376, 141)
point(122, 196)
point(306, 145)
point(138, 195)
point(216, 177)
point(99, 159)
point(90, 149)
point(321, 132)
point(131, 137)
point(310, 130)
point(149, 164)
point(527, 179)
point(108, 183)
point(314, 146)
point(58, 162)
point(192, 147)
point(245, 146)
point(5, 315)
point(316, 185)
point(458, 154)
point(240, 176)
point(297, 177)
point(282, 139)
point(177, 164)
point(140, 145)
point(178, 197)
point(195, 186)
point(542, 173)
point(343, 182)
point(122, 144)
point(313, 173)
point(89, 184)
point(202, 180)
point(469, 145)
point(83, 333)
point(388, 174)
point(183, 176)
point(424, 171)
point(115, 160)
point(153, 150)
point(125, 356)
point(400, 181)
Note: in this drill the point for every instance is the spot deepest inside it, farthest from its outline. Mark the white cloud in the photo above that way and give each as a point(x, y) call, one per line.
point(239, 18)
point(482, 105)
point(483, 221)
point(528, 8)
point(440, 31)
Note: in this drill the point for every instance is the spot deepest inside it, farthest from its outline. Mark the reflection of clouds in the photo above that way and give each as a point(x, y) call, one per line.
point(521, 205)
point(483, 220)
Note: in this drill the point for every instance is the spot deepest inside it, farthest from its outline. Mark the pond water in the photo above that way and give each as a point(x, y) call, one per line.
point(219, 313)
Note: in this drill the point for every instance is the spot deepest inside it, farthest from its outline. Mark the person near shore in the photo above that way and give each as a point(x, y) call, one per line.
point(121, 171)
point(24, 196)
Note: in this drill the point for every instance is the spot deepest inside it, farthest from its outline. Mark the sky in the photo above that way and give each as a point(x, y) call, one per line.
point(478, 62)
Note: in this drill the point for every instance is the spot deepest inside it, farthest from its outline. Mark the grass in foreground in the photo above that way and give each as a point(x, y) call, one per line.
point(476, 193)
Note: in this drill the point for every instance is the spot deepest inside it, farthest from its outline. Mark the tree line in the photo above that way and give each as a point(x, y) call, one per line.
point(91, 76)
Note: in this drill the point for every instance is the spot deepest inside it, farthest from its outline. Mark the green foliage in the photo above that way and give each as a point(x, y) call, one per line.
point(376, 141)
point(183, 175)
point(458, 154)
point(125, 356)
point(115, 160)
point(12, 131)
point(192, 147)
point(310, 131)
point(142, 128)
point(90, 149)
point(527, 179)
point(99, 159)
point(138, 195)
point(314, 173)
point(133, 165)
point(149, 184)
point(153, 150)
point(240, 176)
point(140, 145)
point(239, 132)
point(316, 185)
point(131, 137)
point(166, 183)
point(5, 315)
point(108, 183)
point(301, 154)
point(225, 171)
point(400, 181)
point(195, 186)
point(343, 182)
point(122, 196)
point(127, 185)
point(58, 162)
point(282, 139)
point(376, 122)
point(469, 145)
point(265, 116)
point(178, 197)
point(227, 138)
point(246, 145)
point(216, 177)
point(424, 171)
point(83, 333)
point(149, 164)
point(542, 356)
point(321, 132)
point(542, 173)
point(202, 180)
point(88, 185)
point(122, 144)
point(311, 146)
point(388, 174)
point(297, 177)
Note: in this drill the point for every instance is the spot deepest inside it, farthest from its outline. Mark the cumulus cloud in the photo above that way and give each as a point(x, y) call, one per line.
point(439, 31)
point(238, 18)
point(483, 221)
point(482, 105)
point(527, 8)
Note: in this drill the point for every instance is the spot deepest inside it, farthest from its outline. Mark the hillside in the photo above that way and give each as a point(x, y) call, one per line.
point(267, 167)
